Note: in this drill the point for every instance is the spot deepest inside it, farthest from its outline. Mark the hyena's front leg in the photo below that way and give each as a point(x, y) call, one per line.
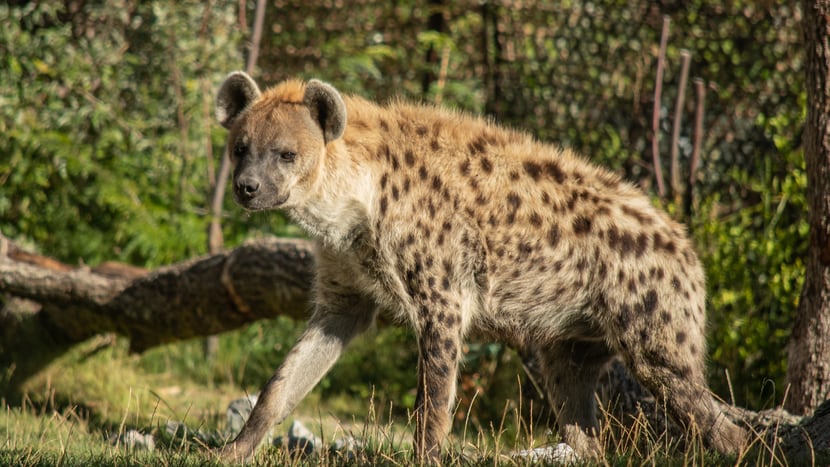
point(328, 332)
point(439, 345)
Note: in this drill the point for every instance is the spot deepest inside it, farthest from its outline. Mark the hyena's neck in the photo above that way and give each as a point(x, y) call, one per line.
point(338, 207)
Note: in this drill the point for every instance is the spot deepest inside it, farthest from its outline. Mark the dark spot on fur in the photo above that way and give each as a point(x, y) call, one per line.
point(680, 337)
point(409, 158)
point(384, 125)
point(624, 318)
point(675, 282)
point(553, 236)
point(571, 203)
point(602, 270)
point(447, 264)
point(449, 344)
point(661, 243)
point(486, 165)
point(632, 286)
point(445, 283)
point(435, 145)
point(665, 316)
point(476, 146)
point(513, 200)
point(533, 169)
point(641, 218)
point(395, 192)
point(553, 170)
point(422, 172)
point(581, 225)
point(383, 180)
point(421, 130)
point(406, 185)
point(481, 200)
point(535, 219)
point(650, 301)
point(514, 175)
point(383, 203)
point(436, 183)
point(465, 168)
point(641, 244)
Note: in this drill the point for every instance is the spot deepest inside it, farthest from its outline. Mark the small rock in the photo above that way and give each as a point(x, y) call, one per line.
point(559, 454)
point(238, 412)
point(347, 447)
point(134, 440)
point(300, 440)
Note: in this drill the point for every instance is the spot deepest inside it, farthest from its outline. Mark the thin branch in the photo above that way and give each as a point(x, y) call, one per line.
point(655, 119)
point(697, 138)
point(676, 184)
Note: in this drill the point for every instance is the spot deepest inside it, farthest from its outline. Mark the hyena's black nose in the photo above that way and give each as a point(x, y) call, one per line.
point(247, 187)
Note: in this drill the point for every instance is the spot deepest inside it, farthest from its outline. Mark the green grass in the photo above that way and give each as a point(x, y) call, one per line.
point(98, 391)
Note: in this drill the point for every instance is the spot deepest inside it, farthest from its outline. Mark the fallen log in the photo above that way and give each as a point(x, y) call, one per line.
point(261, 279)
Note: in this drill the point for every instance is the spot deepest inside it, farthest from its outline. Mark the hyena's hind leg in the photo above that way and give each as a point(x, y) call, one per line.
point(669, 361)
point(571, 370)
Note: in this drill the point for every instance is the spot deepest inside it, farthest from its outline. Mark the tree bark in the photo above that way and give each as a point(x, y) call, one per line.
point(261, 279)
point(808, 372)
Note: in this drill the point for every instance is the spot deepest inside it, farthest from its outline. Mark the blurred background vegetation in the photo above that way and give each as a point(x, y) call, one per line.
point(108, 144)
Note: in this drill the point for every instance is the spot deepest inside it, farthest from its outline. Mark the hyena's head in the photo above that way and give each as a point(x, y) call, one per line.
point(277, 138)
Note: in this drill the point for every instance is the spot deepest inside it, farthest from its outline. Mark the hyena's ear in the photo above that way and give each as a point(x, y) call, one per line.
point(236, 93)
point(327, 108)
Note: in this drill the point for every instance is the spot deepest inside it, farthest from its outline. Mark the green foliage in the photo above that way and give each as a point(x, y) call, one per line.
point(754, 258)
point(105, 122)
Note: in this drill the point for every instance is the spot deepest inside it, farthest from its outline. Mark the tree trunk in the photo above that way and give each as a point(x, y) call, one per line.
point(808, 372)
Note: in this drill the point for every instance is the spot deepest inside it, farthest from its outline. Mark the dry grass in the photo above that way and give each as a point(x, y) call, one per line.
point(85, 399)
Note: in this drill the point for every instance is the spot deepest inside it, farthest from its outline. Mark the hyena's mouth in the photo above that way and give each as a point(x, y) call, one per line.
point(261, 203)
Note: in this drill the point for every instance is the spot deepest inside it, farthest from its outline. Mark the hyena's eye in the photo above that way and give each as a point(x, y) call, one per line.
point(288, 156)
point(239, 150)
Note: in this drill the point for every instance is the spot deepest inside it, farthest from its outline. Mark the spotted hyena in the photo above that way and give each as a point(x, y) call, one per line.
point(458, 226)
